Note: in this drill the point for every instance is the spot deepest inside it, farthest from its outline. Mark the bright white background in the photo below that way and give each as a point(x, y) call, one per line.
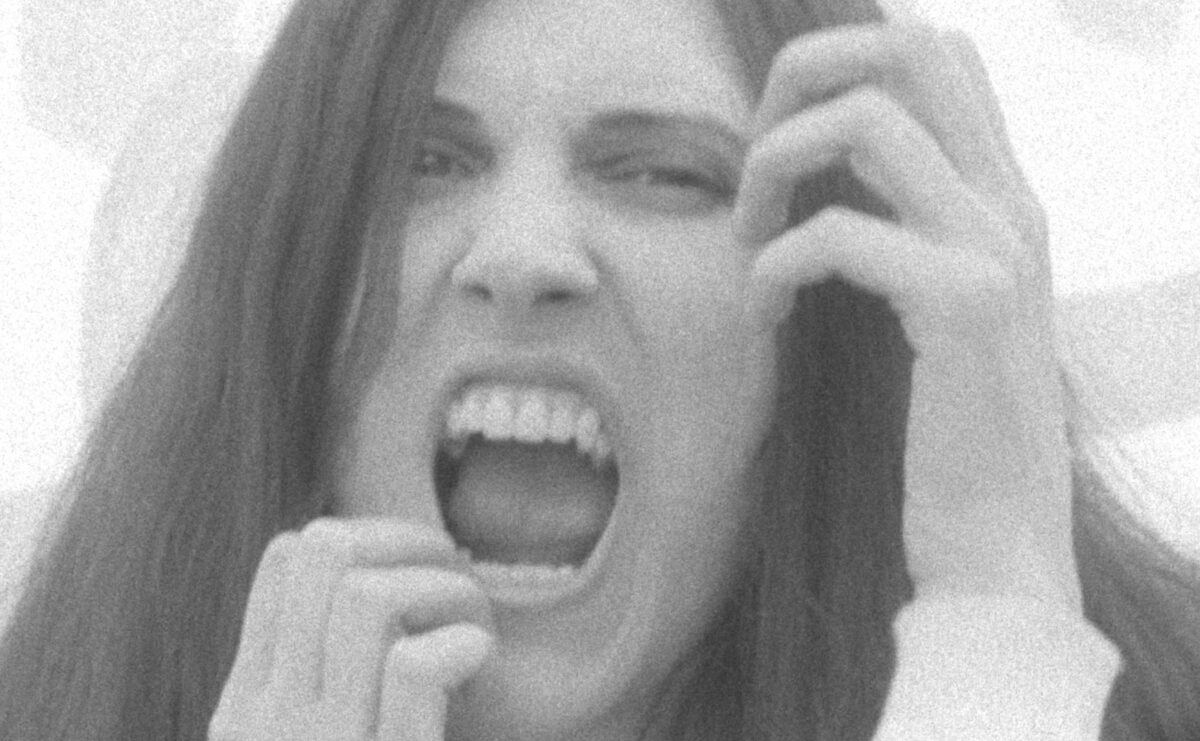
point(1102, 98)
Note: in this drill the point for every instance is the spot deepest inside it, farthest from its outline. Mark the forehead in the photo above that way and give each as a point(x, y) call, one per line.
point(579, 57)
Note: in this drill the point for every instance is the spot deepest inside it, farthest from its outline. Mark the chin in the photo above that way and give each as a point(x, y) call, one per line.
point(596, 662)
point(541, 696)
point(605, 533)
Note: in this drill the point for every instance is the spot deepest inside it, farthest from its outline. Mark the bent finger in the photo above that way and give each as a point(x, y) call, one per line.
point(326, 549)
point(373, 609)
point(382, 541)
point(1013, 189)
point(886, 149)
point(936, 290)
point(932, 74)
point(908, 60)
point(420, 672)
point(256, 645)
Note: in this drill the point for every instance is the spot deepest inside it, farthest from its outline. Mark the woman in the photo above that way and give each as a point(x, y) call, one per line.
point(525, 282)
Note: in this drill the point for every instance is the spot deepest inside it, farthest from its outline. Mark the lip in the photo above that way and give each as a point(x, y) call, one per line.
point(551, 371)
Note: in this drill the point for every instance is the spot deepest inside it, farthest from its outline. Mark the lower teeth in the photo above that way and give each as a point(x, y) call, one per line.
point(522, 573)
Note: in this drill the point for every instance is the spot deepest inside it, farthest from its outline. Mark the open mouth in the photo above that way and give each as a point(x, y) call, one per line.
point(525, 477)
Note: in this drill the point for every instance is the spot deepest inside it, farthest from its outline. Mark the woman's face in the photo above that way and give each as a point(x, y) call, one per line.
point(570, 382)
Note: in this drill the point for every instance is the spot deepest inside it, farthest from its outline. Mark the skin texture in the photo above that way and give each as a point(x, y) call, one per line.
point(538, 235)
point(964, 265)
point(537, 238)
point(564, 245)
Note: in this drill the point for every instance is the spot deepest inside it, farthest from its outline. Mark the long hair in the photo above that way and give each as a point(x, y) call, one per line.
point(222, 433)
point(807, 650)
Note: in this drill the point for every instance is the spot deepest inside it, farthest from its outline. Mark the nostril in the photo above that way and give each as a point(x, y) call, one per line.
point(524, 278)
point(557, 296)
point(480, 292)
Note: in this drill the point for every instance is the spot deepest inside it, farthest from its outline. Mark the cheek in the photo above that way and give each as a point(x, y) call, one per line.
point(691, 274)
point(384, 470)
point(367, 461)
point(432, 240)
point(695, 297)
point(716, 378)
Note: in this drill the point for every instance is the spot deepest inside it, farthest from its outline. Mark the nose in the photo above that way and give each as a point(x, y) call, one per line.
point(525, 247)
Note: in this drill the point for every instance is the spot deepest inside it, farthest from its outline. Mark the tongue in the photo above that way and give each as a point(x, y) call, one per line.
point(540, 504)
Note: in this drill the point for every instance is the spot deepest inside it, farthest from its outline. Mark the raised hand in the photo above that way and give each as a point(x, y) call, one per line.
point(355, 630)
point(963, 263)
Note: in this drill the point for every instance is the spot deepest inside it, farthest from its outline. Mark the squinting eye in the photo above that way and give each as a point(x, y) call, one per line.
point(434, 164)
point(670, 178)
point(441, 169)
point(670, 189)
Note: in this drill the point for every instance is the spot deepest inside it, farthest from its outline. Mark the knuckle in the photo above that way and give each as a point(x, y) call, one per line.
point(357, 587)
point(406, 588)
point(831, 224)
point(224, 727)
point(452, 587)
point(871, 109)
point(999, 288)
point(324, 546)
point(323, 529)
point(911, 43)
point(993, 290)
point(406, 659)
point(444, 657)
point(753, 161)
point(918, 36)
point(1032, 222)
point(763, 161)
point(959, 40)
point(376, 541)
point(789, 57)
point(429, 537)
point(279, 553)
point(281, 546)
point(325, 541)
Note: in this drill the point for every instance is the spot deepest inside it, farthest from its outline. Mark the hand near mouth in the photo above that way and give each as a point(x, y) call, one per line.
point(354, 630)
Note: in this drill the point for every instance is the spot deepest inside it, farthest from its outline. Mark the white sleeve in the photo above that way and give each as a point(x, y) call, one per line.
point(993, 668)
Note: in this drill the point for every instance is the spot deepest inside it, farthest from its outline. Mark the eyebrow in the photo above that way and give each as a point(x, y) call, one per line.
point(633, 120)
point(616, 122)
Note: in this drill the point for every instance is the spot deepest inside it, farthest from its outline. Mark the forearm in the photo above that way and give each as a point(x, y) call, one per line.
point(996, 669)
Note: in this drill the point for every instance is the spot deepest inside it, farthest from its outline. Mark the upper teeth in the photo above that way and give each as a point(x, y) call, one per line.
point(527, 414)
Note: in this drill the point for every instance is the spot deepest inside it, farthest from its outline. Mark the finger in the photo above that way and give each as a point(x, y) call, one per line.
point(326, 549)
point(252, 666)
point(384, 541)
point(374, 608)
point(919, 68)
point(1022, 204)
point(420, 671)
point(934, 289)
point(886, 149)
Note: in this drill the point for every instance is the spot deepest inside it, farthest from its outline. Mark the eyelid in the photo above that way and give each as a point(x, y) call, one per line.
point(713, 169)
point(477, 156)
point(619, 181)
point(456, 131)
point(469, 144)
point(665, 143)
